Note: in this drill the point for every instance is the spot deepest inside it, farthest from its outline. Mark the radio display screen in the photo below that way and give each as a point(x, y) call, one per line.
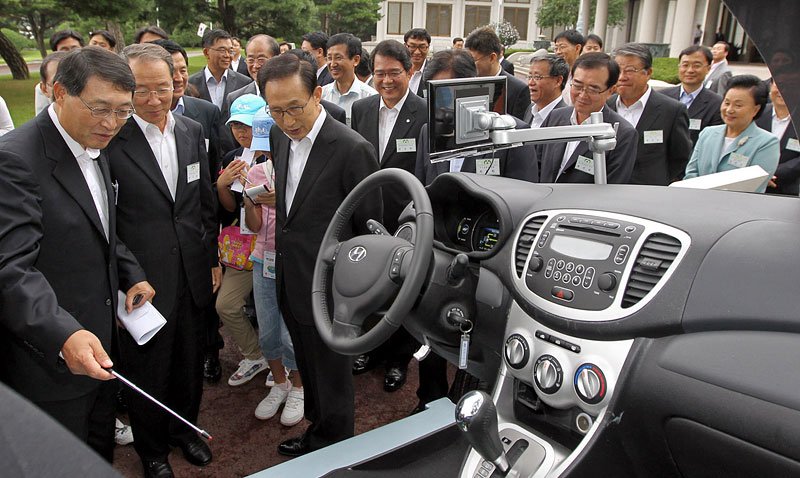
point(581, 248)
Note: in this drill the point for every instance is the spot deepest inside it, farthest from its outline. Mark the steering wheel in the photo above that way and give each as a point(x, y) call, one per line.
point(369, 269)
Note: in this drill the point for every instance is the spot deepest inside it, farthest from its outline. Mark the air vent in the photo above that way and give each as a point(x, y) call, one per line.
point(525, 241)
point(654, 259)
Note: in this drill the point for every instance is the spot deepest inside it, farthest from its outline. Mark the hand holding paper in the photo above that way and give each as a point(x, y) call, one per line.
point(142, 322)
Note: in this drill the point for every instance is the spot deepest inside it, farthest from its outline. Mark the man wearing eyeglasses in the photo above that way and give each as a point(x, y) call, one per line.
point(217, 80)
point(318, 161)
point(166, 214)
point(344, 54)
point(418, 41)
point(569, 46)
point(61, 263)
point(662, 123)
point(391, 121)
point(547, 76)
point(593, 78)
point(485, 47)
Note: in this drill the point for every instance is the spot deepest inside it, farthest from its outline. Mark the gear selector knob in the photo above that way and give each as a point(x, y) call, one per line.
point(476, 416)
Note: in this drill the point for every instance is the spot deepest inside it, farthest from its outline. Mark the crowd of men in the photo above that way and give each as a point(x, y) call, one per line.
point(115, 182)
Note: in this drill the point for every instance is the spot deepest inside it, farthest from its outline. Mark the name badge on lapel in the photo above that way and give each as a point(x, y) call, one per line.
point(406, 145)
point(192, 172)
point(585, 165)
point(654, 137)
point(738, 160)
point(793, 145)
point(694, 124)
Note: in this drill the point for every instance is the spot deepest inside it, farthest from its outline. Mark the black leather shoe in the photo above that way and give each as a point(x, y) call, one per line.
point(157, 469)
point(394, 379)
point(212, 371)
point(196, 452)
point(363, 363)
point(296, 446)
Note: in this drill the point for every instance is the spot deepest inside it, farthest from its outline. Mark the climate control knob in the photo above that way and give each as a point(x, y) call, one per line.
point(590, 383)
point(547, 374)
point(517, 351)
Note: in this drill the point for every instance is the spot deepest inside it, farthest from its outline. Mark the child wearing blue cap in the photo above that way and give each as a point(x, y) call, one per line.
point(276, 344)
point(238, 278)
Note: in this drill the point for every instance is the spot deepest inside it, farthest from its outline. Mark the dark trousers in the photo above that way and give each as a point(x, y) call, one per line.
point(90, 417)
point(398, 349)
point(327, 382)
point(170, 368)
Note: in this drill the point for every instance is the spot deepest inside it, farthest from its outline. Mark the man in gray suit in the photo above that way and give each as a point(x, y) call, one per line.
point(547, 77)
point(720, 74)
point(594, 76)
point(702, 103)
point(662, 123)
point(216, 80)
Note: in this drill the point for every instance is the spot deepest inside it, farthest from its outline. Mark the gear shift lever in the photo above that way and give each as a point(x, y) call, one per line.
point(476, 416)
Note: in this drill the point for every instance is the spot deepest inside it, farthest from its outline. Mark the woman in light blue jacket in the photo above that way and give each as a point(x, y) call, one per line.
point(739, 142)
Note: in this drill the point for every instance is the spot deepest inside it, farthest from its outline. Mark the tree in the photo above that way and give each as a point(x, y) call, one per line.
point(358, 17)
point(15, 62)
point(288, 19)
point(554, 13)
point(506, 32)
point(36, 17)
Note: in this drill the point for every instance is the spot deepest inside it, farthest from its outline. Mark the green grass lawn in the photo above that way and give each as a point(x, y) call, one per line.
point(28, 54)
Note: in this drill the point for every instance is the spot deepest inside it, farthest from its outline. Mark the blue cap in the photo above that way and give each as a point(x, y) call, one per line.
point(244, 108)
point(262, 123)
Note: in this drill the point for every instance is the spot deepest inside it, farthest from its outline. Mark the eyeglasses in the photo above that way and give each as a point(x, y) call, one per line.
point(631, 70)
point(480, 58)
point(422, 48)
point(393, 74)
point(106, 112)
point(145, 94)
point(336, 58)
point(589, 90)
point(292, 111)
point(258, 61)
point(695, 66)
point(562, 46)
point(537, 77)
point(224, 51)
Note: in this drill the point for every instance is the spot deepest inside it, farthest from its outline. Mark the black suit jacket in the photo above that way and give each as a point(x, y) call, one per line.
point(338, 161)
point(518, 163)
point(518, 97)
point(209, 118)
point(169, 237)
point(233, 82)
point(507, 66)
point(528, 118)
point(324, 77)
point(412, 116)
point(59, 273)
point(704, 108)
point(788, 172)
point(661, 163)
point(619, 161)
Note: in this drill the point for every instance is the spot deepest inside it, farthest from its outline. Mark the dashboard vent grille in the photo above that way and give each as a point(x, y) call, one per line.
point(654, 259)
point(525, 241)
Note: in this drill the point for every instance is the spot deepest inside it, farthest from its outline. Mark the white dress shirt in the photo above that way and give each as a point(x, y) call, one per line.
point(779, 125)
point(216, 89)
point(571, 145)
point(357, 90)
point(6, 123)
point(387, 117)
point(416, 78)
point(633, 113)
point(321, 69)
point(566, 95)
point(539, 116)
point(89, 168)
point(164, 149)
point(298, 157)
point(40, 100)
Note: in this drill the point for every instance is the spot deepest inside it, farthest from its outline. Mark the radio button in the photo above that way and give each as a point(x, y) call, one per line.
point(622, 254)
point(557, 275)
point(570, 266)
point(562, 293)
point(566, 278)
point(543, 239)
point(630, 229)
point(548, 272)
point(587, 280)
point(576, 281)
point(560, 265)
point(579, 269)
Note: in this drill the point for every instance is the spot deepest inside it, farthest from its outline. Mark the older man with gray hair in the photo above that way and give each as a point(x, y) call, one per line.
point(547, 77)
point(664, 145)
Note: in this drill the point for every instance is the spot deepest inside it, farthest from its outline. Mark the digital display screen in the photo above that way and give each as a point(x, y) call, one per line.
point(488, 238)
point(581, 248)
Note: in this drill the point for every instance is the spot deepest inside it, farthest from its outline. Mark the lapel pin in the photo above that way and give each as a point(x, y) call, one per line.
point(408, 120)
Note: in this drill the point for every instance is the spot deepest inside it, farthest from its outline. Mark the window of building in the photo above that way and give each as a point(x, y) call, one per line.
point(398, 20)
point(438, 19)
point(476, 16)
point(519, 18)
point(517, 1)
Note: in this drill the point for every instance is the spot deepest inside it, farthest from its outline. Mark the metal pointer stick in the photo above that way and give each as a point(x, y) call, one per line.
point(127, 382)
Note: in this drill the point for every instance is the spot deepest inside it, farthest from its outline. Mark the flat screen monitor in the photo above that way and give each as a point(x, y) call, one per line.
point(443, 98)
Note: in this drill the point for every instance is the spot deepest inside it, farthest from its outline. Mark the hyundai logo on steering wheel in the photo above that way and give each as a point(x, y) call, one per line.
point(357, 254)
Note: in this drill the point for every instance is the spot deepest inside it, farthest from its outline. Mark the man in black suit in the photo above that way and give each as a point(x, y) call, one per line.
point(593, 78)
point(318, 161)
point(547, 77)
point(166, 215)
point(61, 263)
point(316, 43)
point(485, 48)
point(505, 64)
point(662, 123)
point(391, 122)
point(418, 42)
point(216, 80)
point(776, 119)
point(702, 103)
point(237, 64)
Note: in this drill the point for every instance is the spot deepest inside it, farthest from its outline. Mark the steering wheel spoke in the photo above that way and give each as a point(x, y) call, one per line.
point(329, 253)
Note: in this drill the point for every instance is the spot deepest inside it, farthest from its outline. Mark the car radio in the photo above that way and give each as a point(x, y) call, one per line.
point(578, 260)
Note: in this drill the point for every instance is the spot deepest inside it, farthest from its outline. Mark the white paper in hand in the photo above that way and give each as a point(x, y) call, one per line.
point(143, 323)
